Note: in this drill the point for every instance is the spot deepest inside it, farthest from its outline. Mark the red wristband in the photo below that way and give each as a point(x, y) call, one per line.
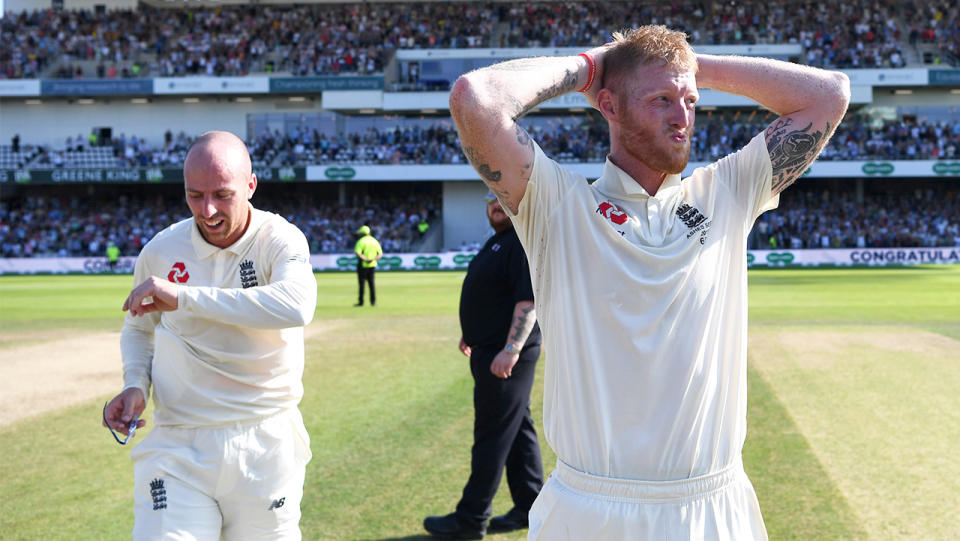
point(593, 72)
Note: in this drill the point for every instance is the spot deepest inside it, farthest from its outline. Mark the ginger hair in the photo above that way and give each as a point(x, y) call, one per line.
point(645, 46)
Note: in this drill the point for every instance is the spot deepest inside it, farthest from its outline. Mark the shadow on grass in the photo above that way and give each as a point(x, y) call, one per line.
point(797, 497)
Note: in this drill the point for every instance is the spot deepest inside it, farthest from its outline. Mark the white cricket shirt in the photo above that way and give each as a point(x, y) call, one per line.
point(233, 350)
point(643, 305)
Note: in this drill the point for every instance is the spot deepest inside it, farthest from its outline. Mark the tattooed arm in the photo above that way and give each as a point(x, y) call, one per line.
point(524, 318)
point(486, 104)
point(810, 102)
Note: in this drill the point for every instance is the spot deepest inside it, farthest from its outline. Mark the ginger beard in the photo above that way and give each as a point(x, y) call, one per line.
point(662, 148)
point(498, 219)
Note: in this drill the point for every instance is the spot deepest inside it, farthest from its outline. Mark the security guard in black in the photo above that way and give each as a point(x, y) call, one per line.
point(498, 278)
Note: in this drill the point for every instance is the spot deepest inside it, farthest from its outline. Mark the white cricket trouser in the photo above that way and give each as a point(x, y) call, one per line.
point(576, 506)
point(242, 481)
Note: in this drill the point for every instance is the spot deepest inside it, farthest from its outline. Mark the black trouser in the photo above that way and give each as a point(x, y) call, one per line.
point(365, 274)
point(503, 435)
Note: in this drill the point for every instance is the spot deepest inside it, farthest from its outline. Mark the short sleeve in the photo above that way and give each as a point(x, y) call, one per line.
point(519, 271)
point(748, 174)
point(549, 184)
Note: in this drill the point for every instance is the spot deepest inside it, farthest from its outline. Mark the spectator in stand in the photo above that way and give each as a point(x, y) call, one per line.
point(62, 226)
point(330, 38)
point(65, 226)
point(822, 219)
point(922, 135)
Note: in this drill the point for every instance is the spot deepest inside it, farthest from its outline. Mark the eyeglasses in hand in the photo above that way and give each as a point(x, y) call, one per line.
point(130, 429)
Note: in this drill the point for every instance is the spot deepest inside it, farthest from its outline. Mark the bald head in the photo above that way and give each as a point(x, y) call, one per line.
point(219, 181)
point(219, 150)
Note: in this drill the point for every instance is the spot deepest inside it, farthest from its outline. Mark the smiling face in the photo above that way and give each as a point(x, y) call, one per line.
point(219, 182)
point(655, 117)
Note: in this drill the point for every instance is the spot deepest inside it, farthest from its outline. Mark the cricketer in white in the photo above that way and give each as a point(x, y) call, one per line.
point(215, 327)
point(640, 278)
point(233, 349)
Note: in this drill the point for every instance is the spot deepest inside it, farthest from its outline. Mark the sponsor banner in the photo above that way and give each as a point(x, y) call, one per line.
point(296, 85)
point(408, 101)
point(326, 173)
point(566, 101)
point(889, 77)
point(854, 256)
point(460, 260)
point(138, 175)
point(945, 77)
point(435, 261)
point(95, 87)
point(211, 85)
point(65, 265)
point(880, 169)
point(495, 53)
point(774, 50)
point(820, 169)
point(354, 99)
point(19, 87)
point(945, 168)
point(99, 175)
point(445, 172)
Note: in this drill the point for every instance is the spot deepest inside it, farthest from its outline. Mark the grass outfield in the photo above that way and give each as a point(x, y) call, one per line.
point(853, 408)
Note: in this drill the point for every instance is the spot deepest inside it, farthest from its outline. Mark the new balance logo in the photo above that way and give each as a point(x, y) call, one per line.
point(277, 504)
point(159, 494)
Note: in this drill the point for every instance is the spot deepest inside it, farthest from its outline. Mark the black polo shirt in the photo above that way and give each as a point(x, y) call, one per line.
point(497, 279)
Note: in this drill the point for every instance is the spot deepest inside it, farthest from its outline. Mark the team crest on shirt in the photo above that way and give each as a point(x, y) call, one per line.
point(159, 494)
point(694, 220)
point(248, 274)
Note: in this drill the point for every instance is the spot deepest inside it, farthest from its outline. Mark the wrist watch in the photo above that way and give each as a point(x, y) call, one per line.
point(510, 348)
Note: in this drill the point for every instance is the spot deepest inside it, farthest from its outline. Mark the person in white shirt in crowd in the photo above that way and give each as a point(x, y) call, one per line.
point(214, 327)
point(640, 277)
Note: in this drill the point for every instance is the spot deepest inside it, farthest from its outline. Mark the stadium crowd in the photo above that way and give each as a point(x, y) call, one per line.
point(808, 217)
point(568, 139)
point(76, 226)
point(324, 38)
point(849, 35)
point(300, 39)
point(819, 218)
point(935, 22)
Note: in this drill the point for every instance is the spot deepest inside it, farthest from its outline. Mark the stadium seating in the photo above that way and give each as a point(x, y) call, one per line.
point(346, 40)
point(67, 222)
point(330, 38)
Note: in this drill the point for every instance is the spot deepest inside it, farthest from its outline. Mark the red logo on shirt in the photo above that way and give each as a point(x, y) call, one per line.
point(612, 213)
point(178, 274)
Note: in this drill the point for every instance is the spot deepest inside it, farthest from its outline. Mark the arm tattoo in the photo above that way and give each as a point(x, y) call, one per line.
point(523, 137)
point(484, 169)
point(519, 64)
point(522, 325)
point(791, 151)
point(566, 83)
